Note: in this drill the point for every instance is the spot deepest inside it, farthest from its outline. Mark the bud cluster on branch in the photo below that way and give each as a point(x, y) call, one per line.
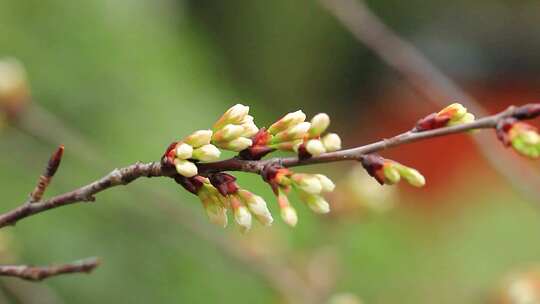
point(193, 162)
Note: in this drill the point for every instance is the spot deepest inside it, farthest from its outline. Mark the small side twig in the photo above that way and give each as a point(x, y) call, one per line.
point(38, 273)
point(45, 179)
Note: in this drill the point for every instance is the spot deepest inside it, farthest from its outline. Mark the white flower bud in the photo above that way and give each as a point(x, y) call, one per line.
point(315, 147)
point(289, 216)
point(295, 132)
point(242, 218)
point(331, 142)
point(319, 124)
point(317, 203)
point(326, 183)
point(183, 151)
point(199, 138)
point(247, 120)
point(228, 132)
point(185, 167)
point(250, 129)
point(234, 115)
point(237, 144)
point(287, 121)
point(207, 153)
point(307, 182)
point(215, 211)
point(257, 206)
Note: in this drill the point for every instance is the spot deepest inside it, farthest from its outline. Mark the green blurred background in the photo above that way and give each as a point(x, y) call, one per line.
point(128, 77)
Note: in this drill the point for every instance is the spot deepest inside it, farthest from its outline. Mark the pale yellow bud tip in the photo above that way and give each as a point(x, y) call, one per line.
point(207, 153)
point(185, 168)
point(199, 138)
point(315, 147)
point(332, 142)
point(183, 151)
point(289, 216)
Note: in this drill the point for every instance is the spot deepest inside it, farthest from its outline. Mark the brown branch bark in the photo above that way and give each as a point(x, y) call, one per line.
point(426, 79)
point(126, 175)
point(38, 273)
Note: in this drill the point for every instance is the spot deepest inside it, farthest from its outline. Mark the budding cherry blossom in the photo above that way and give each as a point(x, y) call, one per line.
point(331, 142)
point(199, 138)
point(389, 172)
point(185, 167)
point(234, 115)
point(315, 147)
point(207, 152)
point(454, 114)
point(319, 124)
point(288, 213)
point(523, 137)
point(257, 206)
point(183, 151)
point(286, 122)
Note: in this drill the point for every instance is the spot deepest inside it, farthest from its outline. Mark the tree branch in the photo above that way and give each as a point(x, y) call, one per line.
point(429, 81)
point(38, 273)
point(126, 175)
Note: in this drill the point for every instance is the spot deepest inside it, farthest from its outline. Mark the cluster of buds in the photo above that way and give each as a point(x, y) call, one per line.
point(234, 129)
point(220, 192)
point(14, 89)
point(309, 187)
point(389, 172)
point(523, 137)
point(193, 148)
point(454, 114)
point(293, 133)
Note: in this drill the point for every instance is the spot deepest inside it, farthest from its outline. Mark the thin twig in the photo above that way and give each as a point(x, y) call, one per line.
point(38, 273)
point(126, 175)
point(429, 81)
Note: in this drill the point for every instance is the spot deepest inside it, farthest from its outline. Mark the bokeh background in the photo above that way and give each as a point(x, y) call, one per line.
point(117, 81)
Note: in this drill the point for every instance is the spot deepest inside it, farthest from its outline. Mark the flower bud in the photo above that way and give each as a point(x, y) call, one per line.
point(185, 167)
point(250, 129)
point(315, 147)
point(207, 153)
point(287, 122)
point(257, 206)
point(525, 139)
point(391, 174)
point(319, 124)
point(307, 182)
point(237, 144)
point(413, 177)
point(296, 132)
point(228, 132)
point(242, 218)
point(331, 142)
point(183, 151)
point(234, 115)
point(215, 211)
point(289, 216)
point(454, 111)
point(467, 118)
point(326, 183)
point(315, 202)
point(199, 138)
